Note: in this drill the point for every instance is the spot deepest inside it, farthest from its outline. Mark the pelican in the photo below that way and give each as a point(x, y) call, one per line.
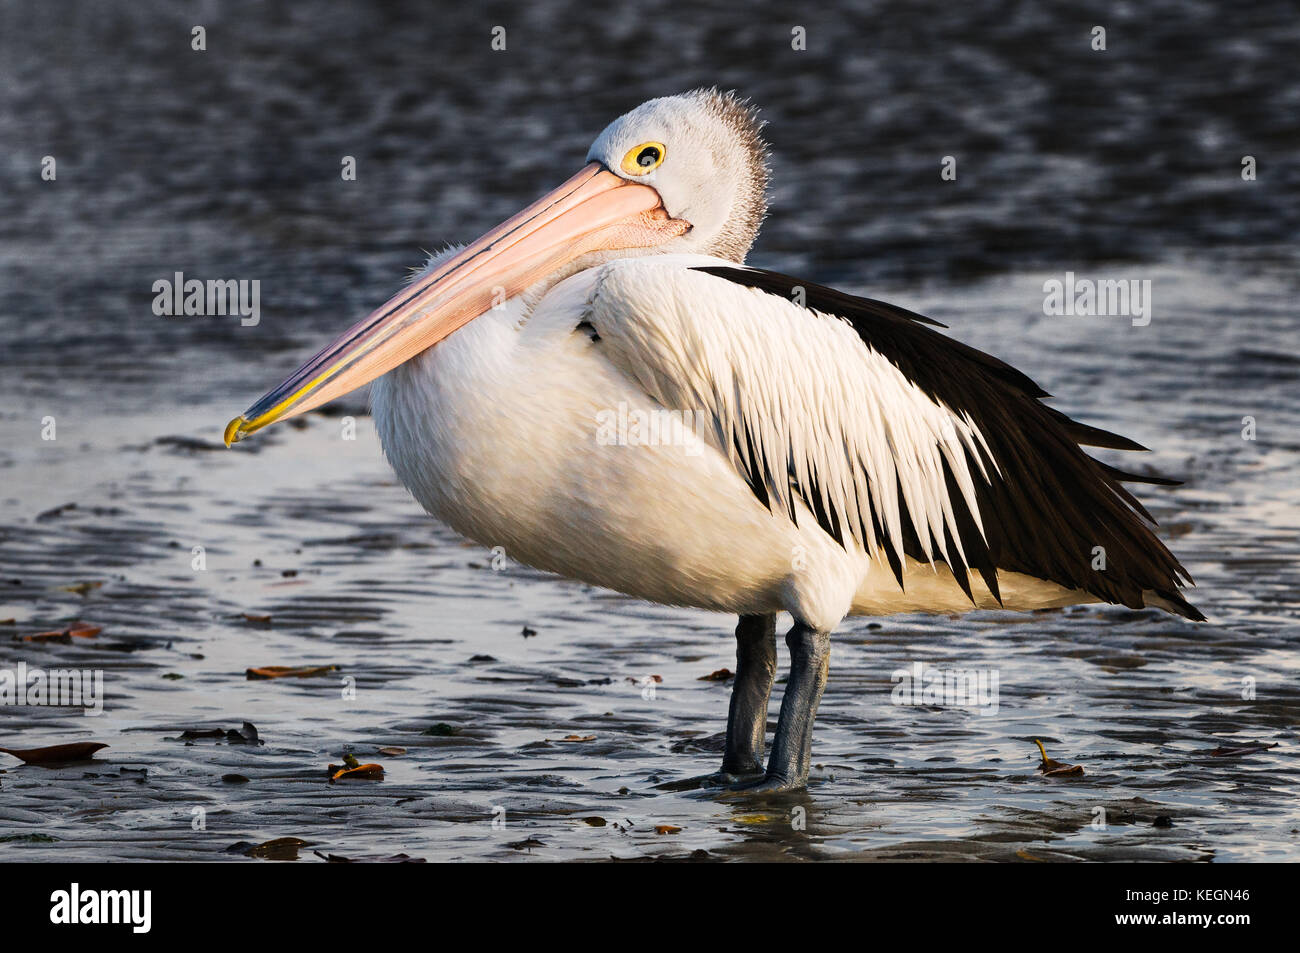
point(603, 388)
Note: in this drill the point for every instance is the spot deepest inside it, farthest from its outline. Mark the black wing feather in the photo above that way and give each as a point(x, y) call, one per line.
point(1052, 505)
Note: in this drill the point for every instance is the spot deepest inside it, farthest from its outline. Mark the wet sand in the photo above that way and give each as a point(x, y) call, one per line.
point(311, 530)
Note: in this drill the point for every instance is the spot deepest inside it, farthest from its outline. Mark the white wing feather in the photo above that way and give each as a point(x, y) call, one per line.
point(826, 412)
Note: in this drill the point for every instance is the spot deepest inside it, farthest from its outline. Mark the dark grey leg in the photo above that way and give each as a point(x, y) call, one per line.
point(810, 655)
point(747, 717)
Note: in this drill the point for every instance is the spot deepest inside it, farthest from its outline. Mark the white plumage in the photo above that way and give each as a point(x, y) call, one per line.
point(495, 433)
point(801, 382)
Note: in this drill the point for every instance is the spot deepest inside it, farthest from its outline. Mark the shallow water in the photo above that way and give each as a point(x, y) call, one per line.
point(224, 164)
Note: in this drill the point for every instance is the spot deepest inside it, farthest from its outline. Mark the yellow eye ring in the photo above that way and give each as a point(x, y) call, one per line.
point(644, 158)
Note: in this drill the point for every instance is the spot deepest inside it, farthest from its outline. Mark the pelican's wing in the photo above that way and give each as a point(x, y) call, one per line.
point(897, 438)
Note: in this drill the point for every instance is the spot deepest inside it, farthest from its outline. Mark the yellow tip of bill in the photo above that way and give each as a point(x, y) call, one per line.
point(232, 429)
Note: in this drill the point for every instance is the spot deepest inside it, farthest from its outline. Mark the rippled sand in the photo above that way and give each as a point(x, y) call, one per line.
point(430, 634)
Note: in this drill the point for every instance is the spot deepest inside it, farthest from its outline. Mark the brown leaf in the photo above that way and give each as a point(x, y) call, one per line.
point(78, 630)
point(256, 618)
point(393, 752)
point(1056, 769)
point(666, 829)
point(81, 588)
point(575, 738)
point(368, 859)
point(721, 675)
point(527, 844)
point(282, 848)
point(288, 671)
point(1252, 748)
point(78, 751)
point(246, 735)
point(364, 772)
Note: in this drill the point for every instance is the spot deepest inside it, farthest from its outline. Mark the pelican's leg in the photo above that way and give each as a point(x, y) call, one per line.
point(750, 691)
point(810, 656)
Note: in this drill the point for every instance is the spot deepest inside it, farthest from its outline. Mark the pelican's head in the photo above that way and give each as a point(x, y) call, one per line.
point(683, 174)
point(703, 154)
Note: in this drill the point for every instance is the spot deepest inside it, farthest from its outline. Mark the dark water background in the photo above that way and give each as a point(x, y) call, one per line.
point(225, 164)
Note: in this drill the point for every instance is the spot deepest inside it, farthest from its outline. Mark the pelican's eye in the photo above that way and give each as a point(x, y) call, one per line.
point(641, 159)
